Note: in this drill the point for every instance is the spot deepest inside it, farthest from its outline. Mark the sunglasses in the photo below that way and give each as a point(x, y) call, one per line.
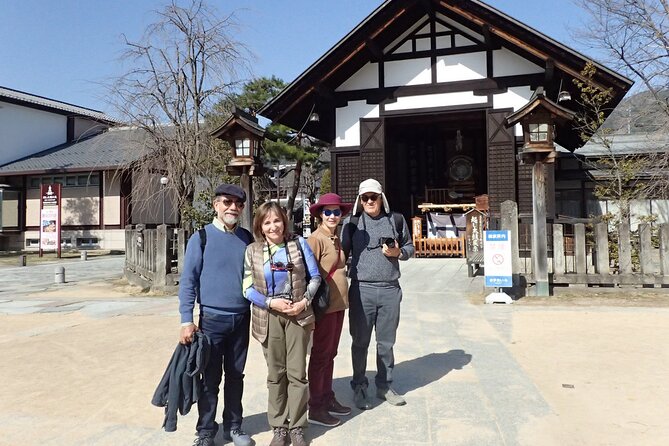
point(227, 202)
point(372, 197)
point(280, 266)
point(335, 212)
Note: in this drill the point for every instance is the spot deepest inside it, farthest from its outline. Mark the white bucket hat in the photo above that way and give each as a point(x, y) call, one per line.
point(373, 186)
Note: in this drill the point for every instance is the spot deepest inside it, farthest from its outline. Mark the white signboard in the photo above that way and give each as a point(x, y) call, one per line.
point(497, 259)
point(49, 229)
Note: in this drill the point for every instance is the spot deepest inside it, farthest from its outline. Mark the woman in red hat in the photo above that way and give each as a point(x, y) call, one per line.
point(326, 246)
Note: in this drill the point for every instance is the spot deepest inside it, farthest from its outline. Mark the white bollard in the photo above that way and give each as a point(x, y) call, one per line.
point(84, 255)
point(59, 274)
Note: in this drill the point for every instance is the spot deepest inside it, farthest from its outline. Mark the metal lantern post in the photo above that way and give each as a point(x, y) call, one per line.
point(163, 186)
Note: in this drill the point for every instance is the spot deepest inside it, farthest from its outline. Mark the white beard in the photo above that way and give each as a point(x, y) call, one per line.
point(230, 220)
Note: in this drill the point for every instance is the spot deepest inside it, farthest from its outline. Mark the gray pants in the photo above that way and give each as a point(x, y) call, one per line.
point(373, 305)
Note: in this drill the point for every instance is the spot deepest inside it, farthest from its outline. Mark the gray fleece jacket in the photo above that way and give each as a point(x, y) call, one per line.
point(368, 264)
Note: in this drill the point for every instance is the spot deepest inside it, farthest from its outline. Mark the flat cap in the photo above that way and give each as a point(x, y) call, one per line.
point(230, 189)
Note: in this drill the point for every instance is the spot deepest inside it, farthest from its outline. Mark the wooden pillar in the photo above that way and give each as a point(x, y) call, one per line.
point(602, 243)
point(624, 248)
point(664, 249)
point(247, 185)
point(645, 249)
point(579, 248)
point(558, 250)
point(539, 238)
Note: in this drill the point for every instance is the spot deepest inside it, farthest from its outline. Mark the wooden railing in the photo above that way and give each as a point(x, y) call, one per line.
point(594, 254)
point(154, 257)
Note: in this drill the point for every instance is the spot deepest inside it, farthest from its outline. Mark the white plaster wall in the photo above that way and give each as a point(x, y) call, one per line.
point(436, 100)
point(443, 42)
point(406, 47)
point(80, 206)
point(85, 127)
point(515, 97)
point(463, 41)
point(507, 63)
point(32, 207)
point(461, 67)
point(107, 238)
point(457, 26)
point(348, 124)
point(112, 199)
point(423, 44)
point(407, 72)
point(365, 77)
point(25, 131)
point(402, 36)
point(10, 211)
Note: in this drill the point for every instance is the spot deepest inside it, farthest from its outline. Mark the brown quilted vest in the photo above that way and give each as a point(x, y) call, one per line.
point(255, 257)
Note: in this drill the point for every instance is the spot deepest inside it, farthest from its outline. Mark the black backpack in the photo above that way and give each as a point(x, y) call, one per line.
point(203, 238)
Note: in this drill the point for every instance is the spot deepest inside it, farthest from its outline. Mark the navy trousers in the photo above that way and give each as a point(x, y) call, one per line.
point(229, 335)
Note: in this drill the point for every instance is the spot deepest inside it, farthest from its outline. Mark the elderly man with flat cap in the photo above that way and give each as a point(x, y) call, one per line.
point(376, 240)
point(212, 276)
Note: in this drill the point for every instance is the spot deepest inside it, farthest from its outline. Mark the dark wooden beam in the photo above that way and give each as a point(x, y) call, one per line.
point(427, 6)
point(374, 50)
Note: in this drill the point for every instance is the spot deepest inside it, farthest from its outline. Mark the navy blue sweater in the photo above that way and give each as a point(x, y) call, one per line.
point(217, 279)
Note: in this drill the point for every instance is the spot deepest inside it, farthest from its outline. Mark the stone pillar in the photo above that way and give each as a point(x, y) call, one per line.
point(539, 238)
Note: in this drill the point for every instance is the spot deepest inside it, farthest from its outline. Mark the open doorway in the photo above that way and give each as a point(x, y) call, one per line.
point(444, 152)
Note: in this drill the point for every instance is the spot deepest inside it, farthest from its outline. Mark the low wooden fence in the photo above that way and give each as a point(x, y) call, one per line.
point(154, 257)
point(589, 253)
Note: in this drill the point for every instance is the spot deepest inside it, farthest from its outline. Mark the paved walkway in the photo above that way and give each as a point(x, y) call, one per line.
point(81, 361)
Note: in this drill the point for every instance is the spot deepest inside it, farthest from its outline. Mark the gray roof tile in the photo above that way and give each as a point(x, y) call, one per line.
point(110, 149)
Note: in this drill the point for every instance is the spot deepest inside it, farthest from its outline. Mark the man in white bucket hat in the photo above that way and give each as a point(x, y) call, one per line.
point(376, 240)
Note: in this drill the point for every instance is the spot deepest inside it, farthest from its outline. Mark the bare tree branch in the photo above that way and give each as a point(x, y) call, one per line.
point(186, 62)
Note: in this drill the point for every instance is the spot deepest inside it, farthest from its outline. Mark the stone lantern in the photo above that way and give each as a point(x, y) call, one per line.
point(242, 131)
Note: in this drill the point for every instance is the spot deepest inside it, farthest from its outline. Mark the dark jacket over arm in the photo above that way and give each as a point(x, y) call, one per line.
point(181, 385)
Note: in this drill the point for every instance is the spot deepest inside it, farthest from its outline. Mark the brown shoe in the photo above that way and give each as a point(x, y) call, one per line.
point(337, 409)
point(322, 418)
point(280, 437)
point(297, 437)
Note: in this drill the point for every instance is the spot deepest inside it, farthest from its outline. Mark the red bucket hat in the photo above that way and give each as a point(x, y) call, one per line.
point(330, 199)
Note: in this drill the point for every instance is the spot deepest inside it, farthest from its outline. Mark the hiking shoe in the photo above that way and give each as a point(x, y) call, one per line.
point(204, 440)
point(322, 417)
point(280, 437)
point(238, 437)
point(337, 409)
point(391, 396)
point(360, 398)
point(297, 437)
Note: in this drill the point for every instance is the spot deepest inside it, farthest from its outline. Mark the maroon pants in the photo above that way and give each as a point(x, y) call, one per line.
point(321, 363)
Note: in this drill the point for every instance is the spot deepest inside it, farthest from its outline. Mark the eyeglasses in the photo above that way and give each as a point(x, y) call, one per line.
point(280, 266)
point(228, 202)
point(372, 197)
point(335, 212)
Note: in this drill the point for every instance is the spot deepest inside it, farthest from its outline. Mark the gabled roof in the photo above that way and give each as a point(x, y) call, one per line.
point(42, 103)
point(537, 100)
point(104, 151)
point(365, 43)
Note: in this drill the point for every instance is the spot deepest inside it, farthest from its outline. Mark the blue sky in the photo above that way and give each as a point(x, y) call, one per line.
point(64, 49)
